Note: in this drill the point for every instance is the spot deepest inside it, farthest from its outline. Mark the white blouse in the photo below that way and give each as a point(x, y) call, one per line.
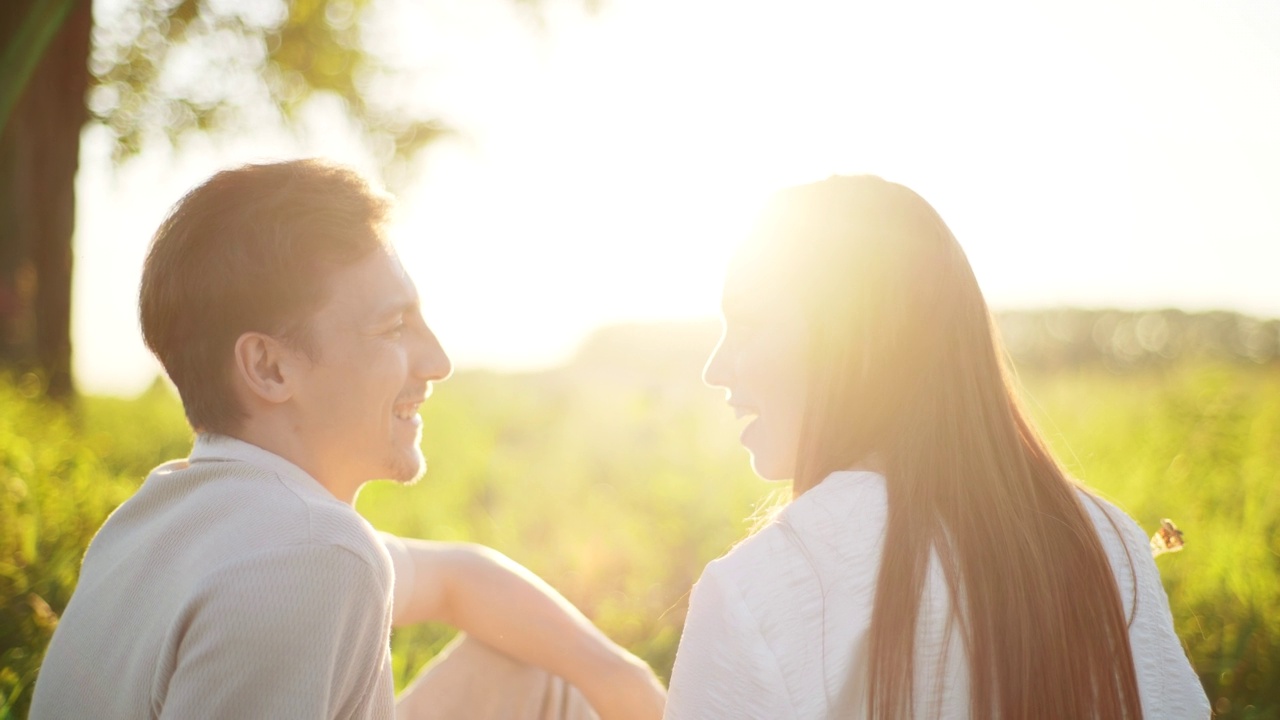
point(775, 626)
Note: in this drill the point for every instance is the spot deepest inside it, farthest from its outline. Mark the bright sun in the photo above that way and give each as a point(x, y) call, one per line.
point(607, 165)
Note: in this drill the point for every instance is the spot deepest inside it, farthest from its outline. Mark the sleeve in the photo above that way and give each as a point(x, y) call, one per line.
point(404, 571)
point(294, 632)
point(724, 668)
point(1169, 685)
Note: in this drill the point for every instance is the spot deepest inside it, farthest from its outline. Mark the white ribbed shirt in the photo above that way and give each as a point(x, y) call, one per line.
point(776, 625)
point(231, 585)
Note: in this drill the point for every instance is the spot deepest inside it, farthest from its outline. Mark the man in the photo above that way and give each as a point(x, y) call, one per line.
point(239, 582)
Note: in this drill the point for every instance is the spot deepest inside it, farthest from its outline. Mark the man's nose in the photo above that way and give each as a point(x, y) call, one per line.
point(430, 361)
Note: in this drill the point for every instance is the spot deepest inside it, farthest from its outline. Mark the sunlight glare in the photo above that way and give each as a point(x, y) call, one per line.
point(606, 165)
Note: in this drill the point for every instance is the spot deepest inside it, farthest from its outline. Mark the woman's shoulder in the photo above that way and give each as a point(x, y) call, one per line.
point(1122, 538)
point(834, 530)
point(777, 618)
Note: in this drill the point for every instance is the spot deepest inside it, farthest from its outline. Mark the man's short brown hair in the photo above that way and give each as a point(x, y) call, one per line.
point(249, 250)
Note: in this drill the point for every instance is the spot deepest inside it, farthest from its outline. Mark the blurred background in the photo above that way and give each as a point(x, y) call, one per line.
point(572, 177)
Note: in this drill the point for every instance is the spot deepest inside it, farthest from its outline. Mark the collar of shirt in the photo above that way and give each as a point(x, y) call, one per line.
point(221, 448)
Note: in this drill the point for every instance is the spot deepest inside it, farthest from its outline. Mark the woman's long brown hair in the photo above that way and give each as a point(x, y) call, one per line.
point(907, 368)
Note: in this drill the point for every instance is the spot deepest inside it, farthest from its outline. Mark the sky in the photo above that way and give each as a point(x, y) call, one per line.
point(1094, 153)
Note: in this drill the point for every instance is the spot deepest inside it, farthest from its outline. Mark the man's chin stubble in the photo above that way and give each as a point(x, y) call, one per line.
point(409, 475)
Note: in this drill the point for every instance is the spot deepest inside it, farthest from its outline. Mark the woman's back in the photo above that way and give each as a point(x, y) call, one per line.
point(778, 628)
point(856, 336)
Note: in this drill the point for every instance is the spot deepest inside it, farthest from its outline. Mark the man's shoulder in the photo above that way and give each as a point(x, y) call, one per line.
point(208, 514)
point(279, 512)
point(221, 553)
point(328, 571)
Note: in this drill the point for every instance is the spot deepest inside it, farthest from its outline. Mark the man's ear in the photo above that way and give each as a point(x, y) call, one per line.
point(263, 365)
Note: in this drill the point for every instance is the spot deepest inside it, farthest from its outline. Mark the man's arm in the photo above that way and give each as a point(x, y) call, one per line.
point(500, 603)
point(291, 632)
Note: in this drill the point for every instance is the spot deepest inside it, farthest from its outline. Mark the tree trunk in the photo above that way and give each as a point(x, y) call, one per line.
point(39, 156)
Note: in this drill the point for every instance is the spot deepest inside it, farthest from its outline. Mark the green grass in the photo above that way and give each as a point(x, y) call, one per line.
point(60, 475)
point(1200, 446)
point(617, 487)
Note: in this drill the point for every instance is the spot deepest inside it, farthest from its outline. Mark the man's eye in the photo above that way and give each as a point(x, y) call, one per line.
point(395, 330)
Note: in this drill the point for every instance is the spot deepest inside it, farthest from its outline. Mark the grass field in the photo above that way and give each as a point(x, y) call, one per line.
point(618, 477)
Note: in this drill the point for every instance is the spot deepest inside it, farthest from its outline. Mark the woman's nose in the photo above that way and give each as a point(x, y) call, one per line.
point(716, 372)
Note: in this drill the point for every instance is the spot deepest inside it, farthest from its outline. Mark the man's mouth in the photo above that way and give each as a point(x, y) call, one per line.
point(406, 407)
point(406, 410)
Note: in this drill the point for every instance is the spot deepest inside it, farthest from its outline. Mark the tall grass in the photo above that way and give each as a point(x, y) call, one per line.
point(61, 473)
point(1200, 446)
point(618, 485)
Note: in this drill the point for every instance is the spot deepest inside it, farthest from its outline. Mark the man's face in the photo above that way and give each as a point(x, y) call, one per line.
point(374, 360)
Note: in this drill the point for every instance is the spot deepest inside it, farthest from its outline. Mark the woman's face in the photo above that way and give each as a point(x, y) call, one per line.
point(762, 361)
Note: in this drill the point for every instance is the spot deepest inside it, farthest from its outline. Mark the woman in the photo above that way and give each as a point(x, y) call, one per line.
point(935, 560)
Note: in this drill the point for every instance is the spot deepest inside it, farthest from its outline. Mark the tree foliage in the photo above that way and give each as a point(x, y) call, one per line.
point(161, 70)
point(164, 69)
